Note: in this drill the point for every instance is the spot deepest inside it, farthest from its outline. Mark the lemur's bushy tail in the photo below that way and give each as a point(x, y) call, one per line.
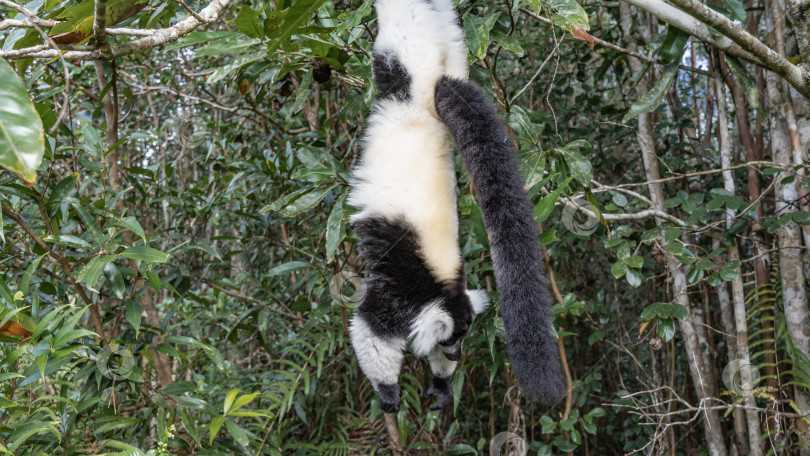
point(488, 154)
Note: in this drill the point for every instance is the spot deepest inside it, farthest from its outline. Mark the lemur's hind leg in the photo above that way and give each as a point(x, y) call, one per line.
point(443, 370)
point(390, 77)
point(380, 359)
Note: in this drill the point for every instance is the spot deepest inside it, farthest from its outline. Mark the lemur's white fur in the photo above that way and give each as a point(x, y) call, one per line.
point(432, 326)
point(479, 300)
point(380, 359)
point(407, 166)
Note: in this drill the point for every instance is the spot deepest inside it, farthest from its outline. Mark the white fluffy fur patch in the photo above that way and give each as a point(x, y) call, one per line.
point(479, 300)
point(380, 359)
point(439, 364)
point(433, 324)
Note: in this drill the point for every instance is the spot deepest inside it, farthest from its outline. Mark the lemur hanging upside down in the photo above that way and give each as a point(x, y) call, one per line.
point(405, 190)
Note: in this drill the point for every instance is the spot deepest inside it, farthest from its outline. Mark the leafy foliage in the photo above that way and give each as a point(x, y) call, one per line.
point(179, 278)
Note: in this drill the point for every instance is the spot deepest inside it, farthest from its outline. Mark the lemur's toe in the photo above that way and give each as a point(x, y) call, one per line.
point(440, 387)
point(389, 398)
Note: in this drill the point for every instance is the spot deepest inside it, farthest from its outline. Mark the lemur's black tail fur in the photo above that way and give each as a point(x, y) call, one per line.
point(490, 157)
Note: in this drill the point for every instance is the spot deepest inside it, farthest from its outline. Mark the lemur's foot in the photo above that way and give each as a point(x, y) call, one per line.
point(389, 397)
point(440, 387)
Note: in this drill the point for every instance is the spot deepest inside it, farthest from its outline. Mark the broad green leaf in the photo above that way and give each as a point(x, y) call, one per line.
point(144, 253)
point(216, 424)
point(674, 45)
point(283, 201)
point(650, 101)
point(247, 21)
point(507, 42)
point(90, 223)
point(306, 202)
point(618, 269)
point(281, 25)
point(579, 165)
point(633, 277)
point(666, 329)
point(77, 22)
point(476, 30)
point(22, 139)
point(565, 13)
point(132, 224)
point(241, 401)
point(238, 433)
point(736, 9)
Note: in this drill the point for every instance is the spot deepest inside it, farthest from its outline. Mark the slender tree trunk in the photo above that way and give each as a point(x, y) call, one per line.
point(711, 422)
point(789, 236)
point(737, 292)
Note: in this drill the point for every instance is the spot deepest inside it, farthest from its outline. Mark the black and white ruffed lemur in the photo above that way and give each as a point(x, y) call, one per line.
point(405, 190)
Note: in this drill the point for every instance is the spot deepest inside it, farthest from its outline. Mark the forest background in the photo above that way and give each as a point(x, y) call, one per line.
point(177, 266)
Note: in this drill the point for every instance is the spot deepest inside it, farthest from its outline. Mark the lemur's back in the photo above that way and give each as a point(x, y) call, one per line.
point(407, 168)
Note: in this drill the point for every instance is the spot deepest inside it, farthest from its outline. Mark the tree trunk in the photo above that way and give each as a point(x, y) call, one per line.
point(794, 296)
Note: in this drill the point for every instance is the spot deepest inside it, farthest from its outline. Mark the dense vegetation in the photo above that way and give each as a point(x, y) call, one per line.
point(177, 272)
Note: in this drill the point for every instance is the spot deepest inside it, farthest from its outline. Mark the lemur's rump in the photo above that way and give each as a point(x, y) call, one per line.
point(405, 190)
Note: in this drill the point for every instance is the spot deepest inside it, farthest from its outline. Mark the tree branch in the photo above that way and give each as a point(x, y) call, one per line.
point(155, 38)
point(770, 59)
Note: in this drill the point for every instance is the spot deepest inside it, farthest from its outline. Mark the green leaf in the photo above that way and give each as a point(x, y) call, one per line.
point(306, 202)
point(229, 399)
point(144, 253)
point(216, 424)
point(238, 433)
point(303, 92)
point(565, 13)
point(179, 387)
point(281, 25)
point(132, 224)
point(335, 229)
point(633, 277)
point(546, 205)
point(674, 45)
point(579, 165)
point(666, 329)
point(134, 315)
point(283, 201)
point(90, 223)
point(476, 30)
point(240, 401)
point(618, 269)
point(679, 311)
point(22, 139)
point(694, 275)
point(287, 268)
point(652, 99)
point(736, 9)
point(68, 240)
point(247, 21)
point(507, 42)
